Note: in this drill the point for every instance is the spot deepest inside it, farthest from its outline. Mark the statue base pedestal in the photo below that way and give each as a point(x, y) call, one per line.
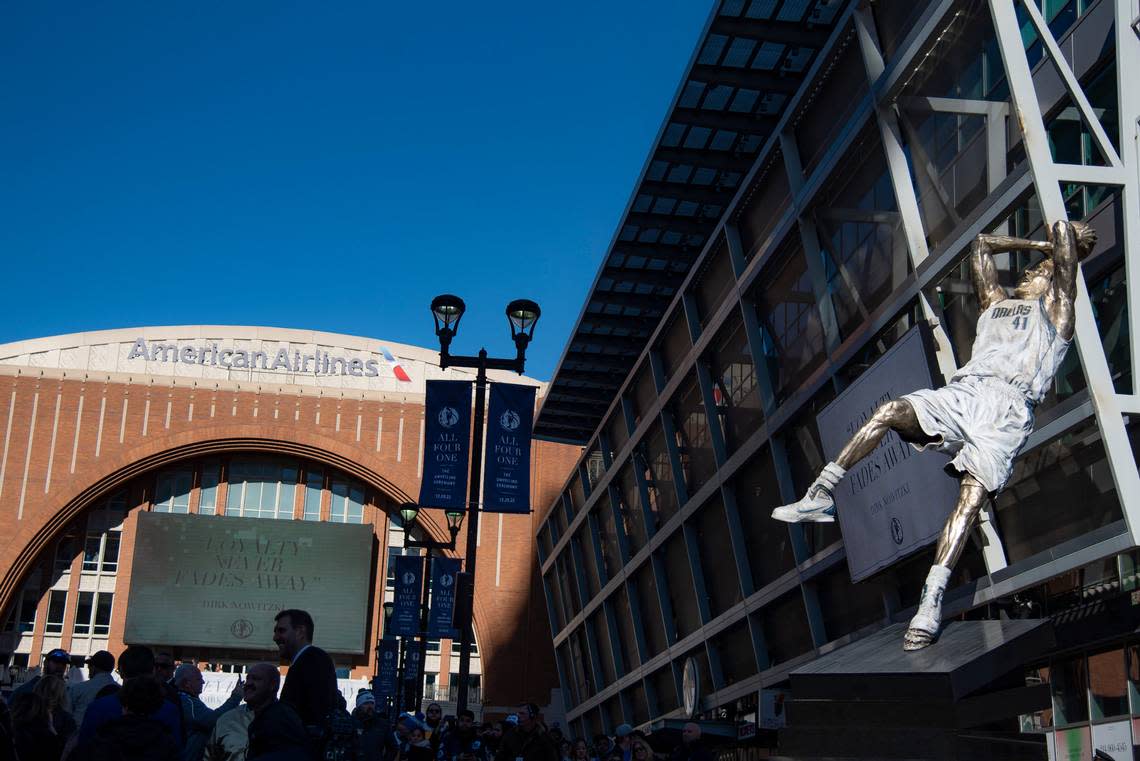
point(957, 699)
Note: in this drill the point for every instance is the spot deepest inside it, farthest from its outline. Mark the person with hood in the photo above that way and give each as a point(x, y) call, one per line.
point(135, 735)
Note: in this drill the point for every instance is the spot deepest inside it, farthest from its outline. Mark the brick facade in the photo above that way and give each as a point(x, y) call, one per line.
point(70, 439)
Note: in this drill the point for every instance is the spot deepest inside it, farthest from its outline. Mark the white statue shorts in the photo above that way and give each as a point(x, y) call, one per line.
point(982, 422)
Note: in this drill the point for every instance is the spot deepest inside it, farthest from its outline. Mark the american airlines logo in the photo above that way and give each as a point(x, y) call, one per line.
point(316, 363)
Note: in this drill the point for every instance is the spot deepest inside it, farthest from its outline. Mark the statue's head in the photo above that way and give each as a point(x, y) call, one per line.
point(1036, 281)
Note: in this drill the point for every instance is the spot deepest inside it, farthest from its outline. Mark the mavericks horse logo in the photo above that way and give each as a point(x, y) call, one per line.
point(510, 420)
point(448, 417)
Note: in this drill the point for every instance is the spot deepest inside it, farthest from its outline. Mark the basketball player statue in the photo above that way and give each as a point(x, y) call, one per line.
point(985, 413)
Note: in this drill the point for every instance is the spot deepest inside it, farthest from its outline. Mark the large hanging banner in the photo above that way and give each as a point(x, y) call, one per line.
point(506, 480)
point(443, 574)
point(447, 444)
point(405, 620)
point(895, 501)
point(388, 668)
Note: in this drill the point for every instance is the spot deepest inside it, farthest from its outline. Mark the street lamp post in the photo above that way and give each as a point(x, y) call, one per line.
point(408, 513)
point(522, 314)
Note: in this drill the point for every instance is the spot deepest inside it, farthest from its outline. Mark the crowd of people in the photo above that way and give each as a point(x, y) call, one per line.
point(155, 713)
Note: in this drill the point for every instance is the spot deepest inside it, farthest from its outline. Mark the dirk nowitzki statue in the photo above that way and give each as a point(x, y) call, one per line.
point(985, 414)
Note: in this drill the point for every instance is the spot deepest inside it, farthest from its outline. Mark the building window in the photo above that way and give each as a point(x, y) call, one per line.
point(314, 488)
point(23, 618)
point(172, 491)
point(1108, 685)
point(261, 489)
point(93, 614)
point(57, 604)
point(65, 552)
point(208, 494)
point(101, 552)
point(1070, 691)
point(347, 503)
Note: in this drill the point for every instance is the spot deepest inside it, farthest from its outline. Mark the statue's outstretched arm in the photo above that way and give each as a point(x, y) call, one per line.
point(1065, 258)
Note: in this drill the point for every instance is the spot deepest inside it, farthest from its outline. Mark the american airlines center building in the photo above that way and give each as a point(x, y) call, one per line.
point(254, 441)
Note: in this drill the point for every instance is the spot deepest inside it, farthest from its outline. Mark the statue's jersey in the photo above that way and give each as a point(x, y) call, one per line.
point(1017, 343)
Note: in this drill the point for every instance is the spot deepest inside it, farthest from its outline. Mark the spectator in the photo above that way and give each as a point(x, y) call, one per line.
point(164, 667)
point(135, 735)
point(33, 736)
point(136, 660)
point(230, 738)
point(198, 719)
point(433, 725)
point(563, 749)
point(310, 684)
point(641, 750)
point(691, 747)
point(603, 747)
point(624, 742)
point(164, 673)
point(100, 683)
point(419, 746)
point(276, 729)
point(460, 737)
point(580, 751)
point(492, 738)
point(54, 692)
point(374, 728)
point(55, 663)
point(529, 741)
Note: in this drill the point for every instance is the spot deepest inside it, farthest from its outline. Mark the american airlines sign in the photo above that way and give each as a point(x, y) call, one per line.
point(315, 363)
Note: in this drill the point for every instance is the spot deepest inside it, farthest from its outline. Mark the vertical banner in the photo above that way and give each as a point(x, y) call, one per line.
point(405, 620)
point(389, 655)
point(506, 480)
point(412, 663)
point(447, 444)
point(443, 574)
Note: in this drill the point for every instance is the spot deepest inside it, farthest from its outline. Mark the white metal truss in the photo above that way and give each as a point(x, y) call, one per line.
point(1122, 172)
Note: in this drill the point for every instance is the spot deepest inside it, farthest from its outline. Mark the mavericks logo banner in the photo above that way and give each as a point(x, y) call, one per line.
point(447, 444)
point(443, 573)
point(896, 500)
point(506, 481)
point(389, 655)
point(409, 570)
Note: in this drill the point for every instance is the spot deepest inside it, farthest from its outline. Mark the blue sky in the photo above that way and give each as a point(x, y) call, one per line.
point(323, 165)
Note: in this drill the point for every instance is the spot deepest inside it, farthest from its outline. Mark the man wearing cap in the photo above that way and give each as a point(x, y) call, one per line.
point(100, 682)
point(624, 734)
point(55, 662)
point(373, 728)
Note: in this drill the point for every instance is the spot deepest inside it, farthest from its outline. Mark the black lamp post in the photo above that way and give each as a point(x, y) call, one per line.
point(522, 314)
point(409, 511)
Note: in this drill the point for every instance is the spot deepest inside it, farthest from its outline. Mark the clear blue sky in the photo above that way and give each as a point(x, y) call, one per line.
point(323, 165)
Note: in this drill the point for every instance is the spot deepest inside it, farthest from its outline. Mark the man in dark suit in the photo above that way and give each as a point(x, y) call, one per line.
point(310, 684)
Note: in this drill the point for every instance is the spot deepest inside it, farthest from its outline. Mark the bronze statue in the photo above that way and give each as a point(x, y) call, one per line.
point(984, 415)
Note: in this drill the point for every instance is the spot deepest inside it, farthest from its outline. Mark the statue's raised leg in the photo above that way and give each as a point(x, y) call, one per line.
point(818, 505)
